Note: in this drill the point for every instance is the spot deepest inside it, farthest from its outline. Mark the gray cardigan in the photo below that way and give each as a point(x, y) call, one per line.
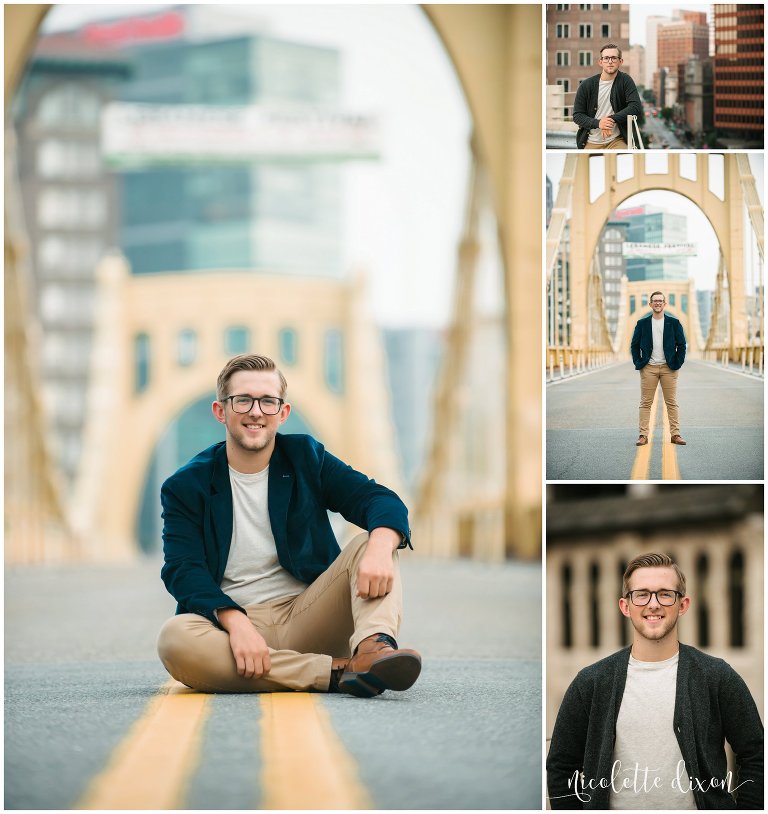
point(712, 704)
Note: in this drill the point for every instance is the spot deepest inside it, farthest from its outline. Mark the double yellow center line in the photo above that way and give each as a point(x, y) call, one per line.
point(305, 763)
point(642, 464)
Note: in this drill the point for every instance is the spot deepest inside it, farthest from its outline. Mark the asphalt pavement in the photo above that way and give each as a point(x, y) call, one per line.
point(81, 670)
point(592, 425)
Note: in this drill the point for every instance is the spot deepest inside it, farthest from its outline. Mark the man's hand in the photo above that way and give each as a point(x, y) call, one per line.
point(606, 126)
point(248, 646)
point(376, 571)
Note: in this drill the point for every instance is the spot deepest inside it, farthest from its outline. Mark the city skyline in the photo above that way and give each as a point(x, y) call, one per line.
point(400, 240)
point(640, 12)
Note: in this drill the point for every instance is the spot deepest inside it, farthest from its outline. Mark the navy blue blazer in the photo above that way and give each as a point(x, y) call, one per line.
point(304, 481)
point(674, 342)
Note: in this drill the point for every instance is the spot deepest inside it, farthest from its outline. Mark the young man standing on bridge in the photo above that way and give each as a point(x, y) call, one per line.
point(645, 728)
point(267, 601)
point(603, 103)
point(658, 352)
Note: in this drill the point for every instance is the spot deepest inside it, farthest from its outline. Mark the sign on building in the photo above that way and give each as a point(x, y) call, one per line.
point(659, 249)
point(140, 134)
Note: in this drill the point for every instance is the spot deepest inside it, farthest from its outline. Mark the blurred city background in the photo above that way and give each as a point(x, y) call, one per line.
point(322, 185)
point(699, 69)
point(714, 533)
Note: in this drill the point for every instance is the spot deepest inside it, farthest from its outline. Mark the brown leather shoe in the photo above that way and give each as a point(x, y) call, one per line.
point(377, 665)
point(641, 441)
point(677, 439)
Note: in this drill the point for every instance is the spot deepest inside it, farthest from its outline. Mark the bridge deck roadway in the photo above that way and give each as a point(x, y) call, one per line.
point(592, 427)
point(81, 670)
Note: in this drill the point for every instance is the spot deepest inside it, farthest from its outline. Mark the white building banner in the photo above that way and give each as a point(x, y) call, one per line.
point(659, 250)
point(140, 134)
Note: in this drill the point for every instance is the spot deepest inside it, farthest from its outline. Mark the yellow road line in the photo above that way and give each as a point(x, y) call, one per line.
point(669, 468)
point(305, 764)
point(642, 465)
point(151, 767)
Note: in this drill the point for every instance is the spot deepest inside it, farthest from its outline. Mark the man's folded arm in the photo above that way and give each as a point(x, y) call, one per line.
point(185, 572)
point(566, 751)
point(744, 732)
point(633, 107)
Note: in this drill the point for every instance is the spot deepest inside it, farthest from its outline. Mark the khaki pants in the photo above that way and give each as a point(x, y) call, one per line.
point(302, 632)
point(616, 144)
point(650, 378)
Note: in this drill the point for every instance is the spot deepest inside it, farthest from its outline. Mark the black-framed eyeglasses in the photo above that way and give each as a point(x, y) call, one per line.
point(642, 597)
point(657, 302)
point(611, 59)
point(269, 405)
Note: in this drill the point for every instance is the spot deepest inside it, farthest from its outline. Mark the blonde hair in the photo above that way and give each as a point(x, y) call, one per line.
point(246, 361)
point(653, 561)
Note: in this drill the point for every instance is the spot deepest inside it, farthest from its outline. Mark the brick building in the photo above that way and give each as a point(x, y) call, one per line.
point(575, 34)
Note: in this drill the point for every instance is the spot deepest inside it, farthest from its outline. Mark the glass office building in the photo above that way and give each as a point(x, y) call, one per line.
point(650, 225)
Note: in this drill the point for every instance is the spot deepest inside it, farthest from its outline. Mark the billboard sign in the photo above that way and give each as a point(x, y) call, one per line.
point(141, 134)
point(659, 249)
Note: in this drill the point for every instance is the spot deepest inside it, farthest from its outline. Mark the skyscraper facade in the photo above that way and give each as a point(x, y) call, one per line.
point(739, 71)
point(646, 224)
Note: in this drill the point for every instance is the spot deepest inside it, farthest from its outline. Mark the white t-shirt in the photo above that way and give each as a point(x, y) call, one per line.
point(645, 741)
point(253, 574)
point(604, 109)
point(657, 355)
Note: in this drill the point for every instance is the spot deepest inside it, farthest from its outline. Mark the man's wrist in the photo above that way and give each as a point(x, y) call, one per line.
point(386, 538)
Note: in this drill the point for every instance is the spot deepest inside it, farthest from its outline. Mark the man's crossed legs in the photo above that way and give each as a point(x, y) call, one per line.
point(325, 639)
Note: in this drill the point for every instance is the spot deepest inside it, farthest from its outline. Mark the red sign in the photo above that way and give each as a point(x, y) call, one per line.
point(634, 210)
point(161, 27)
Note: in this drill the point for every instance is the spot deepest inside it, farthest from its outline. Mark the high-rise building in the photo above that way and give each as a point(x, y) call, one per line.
point(550, 199)
point(652, 24)
point(612, 268)
point(698, 94)
point(635, 64)
point(704, 300)
point(575, 34)
point(739, 72)
point(647, 224)
point(71, 216)
point(679, 40)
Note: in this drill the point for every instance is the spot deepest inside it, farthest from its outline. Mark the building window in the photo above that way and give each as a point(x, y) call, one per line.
point(68, 105)
point(585, 31)
point(605, 31)
point(334, 360)
point(186, 347)
point(288, 341)
point(606, 6)
point(565, 83)
point(632, 304)
point(702, 605)
point(566, 585)
point(563, 6)
point(644, 300)
point(236, 340)
point(563, 58)
point(585, 57)
point(736, 598)
point(585, 6)
point(672, 299)
point(141, 362)
point(563, 31)
point(684, 303)
point(594, 604)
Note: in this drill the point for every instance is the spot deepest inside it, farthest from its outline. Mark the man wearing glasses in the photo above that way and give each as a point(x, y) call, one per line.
point(645, 727)
point(658, 352)
point(267, 601)
point(603, 103)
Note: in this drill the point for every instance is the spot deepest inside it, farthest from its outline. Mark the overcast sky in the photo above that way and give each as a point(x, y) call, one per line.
point(404, 213)
point(639, 13)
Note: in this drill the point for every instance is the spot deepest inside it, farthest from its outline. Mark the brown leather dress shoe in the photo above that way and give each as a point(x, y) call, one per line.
point(377, 665)
point(641, 441)
point(677, 439)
